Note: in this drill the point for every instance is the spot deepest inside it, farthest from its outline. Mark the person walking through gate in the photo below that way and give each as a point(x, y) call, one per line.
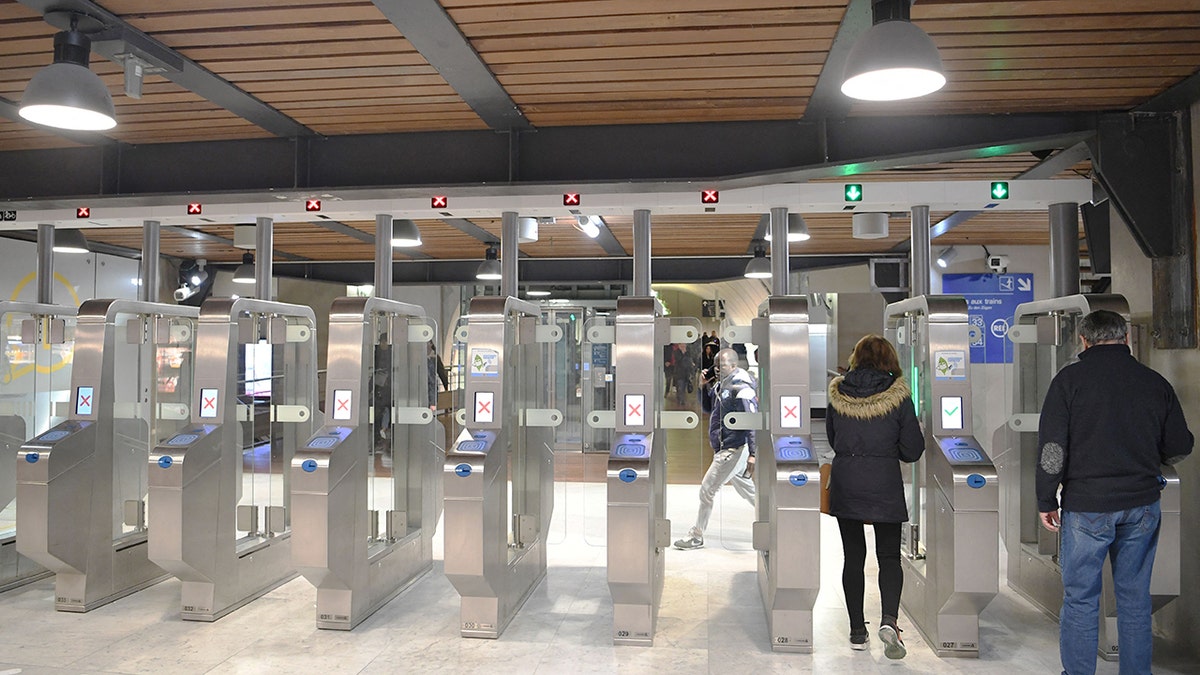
point(734, 392)
point(1107, 425)
point(872, 427)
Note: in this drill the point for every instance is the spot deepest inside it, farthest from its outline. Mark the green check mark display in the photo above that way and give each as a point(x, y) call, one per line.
point(951, 411)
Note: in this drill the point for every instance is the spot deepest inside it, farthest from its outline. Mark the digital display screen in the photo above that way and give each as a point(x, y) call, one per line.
point(342, 407)
point(635, 410)
point(485, 406)
point(789, 412)
point(208, 403)
point(952, 412)
point(84, 399)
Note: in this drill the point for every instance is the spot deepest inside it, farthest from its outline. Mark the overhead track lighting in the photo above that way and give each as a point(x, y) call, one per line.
point(489, 269)
point(894, 59)
point(947, 256)
point(200, 275)
point(797, 228)
point(66, 94)
point(70, 241)
point(405, 234)
point(537, 292)
point(589, 225)
point(244, 274)
point(759, 266)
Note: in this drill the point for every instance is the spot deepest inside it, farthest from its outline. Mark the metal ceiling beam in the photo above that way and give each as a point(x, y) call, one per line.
point(1179, 97)
point(608, 242)
point(120, 38)
point(541, 271)
point(467, 227)
point(346, 230)
point(204, 236)
point(715, 155)
point(437, 37)
point(827, 100)
point(1047, 168)
point(93, 246)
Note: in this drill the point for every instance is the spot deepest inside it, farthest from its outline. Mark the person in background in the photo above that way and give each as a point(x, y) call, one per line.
point(733, 393)
point(872, 427)
point(1107, 426)
point(684, 373)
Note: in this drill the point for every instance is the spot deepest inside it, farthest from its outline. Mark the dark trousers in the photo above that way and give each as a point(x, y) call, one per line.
point(891, 577)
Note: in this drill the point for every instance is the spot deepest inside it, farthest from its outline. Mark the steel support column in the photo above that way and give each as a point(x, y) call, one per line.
point(918, 265)
point(45, 264)
point(1064, 249)
point(641, 252)
point(148, 288)
point(508, 254)
point(383, 256)
point(779, 251)
point(264, 244)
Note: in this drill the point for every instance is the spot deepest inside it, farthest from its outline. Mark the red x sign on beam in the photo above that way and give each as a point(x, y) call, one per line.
point(571, 199)
point(312, 204)
point(83, 212)
point(709, 196)
point(439, 202)
point(194, 209)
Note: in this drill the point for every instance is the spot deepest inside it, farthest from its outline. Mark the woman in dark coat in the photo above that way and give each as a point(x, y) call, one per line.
point(872, 427)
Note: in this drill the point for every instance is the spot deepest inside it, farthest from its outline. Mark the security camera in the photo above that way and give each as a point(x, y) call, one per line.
point(182, 293)
point(998, 263)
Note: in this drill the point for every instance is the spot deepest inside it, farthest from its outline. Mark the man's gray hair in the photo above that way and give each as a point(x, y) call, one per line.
point(1103, 325)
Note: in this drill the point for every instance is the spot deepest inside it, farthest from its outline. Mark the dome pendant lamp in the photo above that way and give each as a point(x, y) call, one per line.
point(67, 94)
point(894, 59)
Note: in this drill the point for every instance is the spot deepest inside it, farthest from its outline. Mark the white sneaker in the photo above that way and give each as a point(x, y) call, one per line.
point(689, 543)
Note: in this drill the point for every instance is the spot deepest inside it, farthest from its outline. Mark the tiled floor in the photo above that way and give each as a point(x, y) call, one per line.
point(711, 621)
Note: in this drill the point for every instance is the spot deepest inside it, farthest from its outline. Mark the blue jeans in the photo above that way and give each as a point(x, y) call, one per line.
point(1129, 538)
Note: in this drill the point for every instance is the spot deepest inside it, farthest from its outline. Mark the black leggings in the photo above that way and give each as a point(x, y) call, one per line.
point(891, 577)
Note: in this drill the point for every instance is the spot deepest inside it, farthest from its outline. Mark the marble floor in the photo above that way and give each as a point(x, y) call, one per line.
point(711, 620)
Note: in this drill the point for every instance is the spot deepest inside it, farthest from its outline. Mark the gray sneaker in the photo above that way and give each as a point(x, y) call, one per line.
point(893, 646)
point(860, 639)
point(689, 543)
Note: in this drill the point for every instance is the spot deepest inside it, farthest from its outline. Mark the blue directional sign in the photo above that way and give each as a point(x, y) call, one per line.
point(992, 300)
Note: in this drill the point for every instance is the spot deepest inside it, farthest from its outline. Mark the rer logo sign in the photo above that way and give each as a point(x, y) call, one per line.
point(485, 411)
point(635, 410)
point(342, 408)
point(789, 412)
point(992, 301)
point(208, 403)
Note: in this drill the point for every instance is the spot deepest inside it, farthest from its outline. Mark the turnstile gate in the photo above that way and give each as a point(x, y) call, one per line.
point(220, 518)
point(499, 473)
point(951, 552)
point(1045, 337)
point(638, 531)
point(363, 484)
point(36, 341)
point(787, 531)
point(81, 486)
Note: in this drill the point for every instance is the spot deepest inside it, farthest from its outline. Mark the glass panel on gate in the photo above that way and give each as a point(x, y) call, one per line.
point(597, 393)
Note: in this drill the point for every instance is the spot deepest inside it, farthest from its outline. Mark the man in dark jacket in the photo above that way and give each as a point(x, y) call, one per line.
point(733, 393)
point(1107, 425)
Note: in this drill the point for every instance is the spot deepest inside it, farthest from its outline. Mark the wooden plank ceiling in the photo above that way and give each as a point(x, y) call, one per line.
point(340, 67)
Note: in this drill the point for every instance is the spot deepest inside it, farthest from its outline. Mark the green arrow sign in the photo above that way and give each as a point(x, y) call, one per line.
point(854, 192)
point(1000, 190)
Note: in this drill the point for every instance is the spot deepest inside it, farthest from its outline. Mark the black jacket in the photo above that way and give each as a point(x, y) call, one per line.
point(1107, 426)
point(872, 427)
point(734, 394)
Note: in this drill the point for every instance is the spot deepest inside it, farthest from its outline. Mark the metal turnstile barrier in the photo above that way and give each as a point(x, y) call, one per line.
point(1045, 337)
point(36, 344)
point(499, 473)
point(787, 530)
point(82, 485)
point(638, 531)
point(951, 553)
point(220, 518)
point(363, 484)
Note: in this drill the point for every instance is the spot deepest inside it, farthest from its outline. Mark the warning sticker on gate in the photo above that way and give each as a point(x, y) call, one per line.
point(950, 365)
point(485, 363)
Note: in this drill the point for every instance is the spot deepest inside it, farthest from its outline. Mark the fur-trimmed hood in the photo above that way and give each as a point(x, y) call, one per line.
point(872, 405)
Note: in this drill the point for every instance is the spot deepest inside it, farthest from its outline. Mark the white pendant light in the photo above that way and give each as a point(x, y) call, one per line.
point(759, 266)
point(405, 234)
point(489, 269)
point(70, 241)
point(894, 59)
point(797, 228)
point(66, 94)
point(869, 225)
point(244, 274)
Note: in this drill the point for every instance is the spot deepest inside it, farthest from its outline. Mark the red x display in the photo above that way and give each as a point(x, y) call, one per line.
point(83, 212)
point(84, 401)
point(344, 404)
point(571, 199)
point(194, 209)
point(209, 403)
point(791, 411)
point(312, 204)
point(709, 196)
point(484, 407)
point(439, 202)
point(635, 410)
